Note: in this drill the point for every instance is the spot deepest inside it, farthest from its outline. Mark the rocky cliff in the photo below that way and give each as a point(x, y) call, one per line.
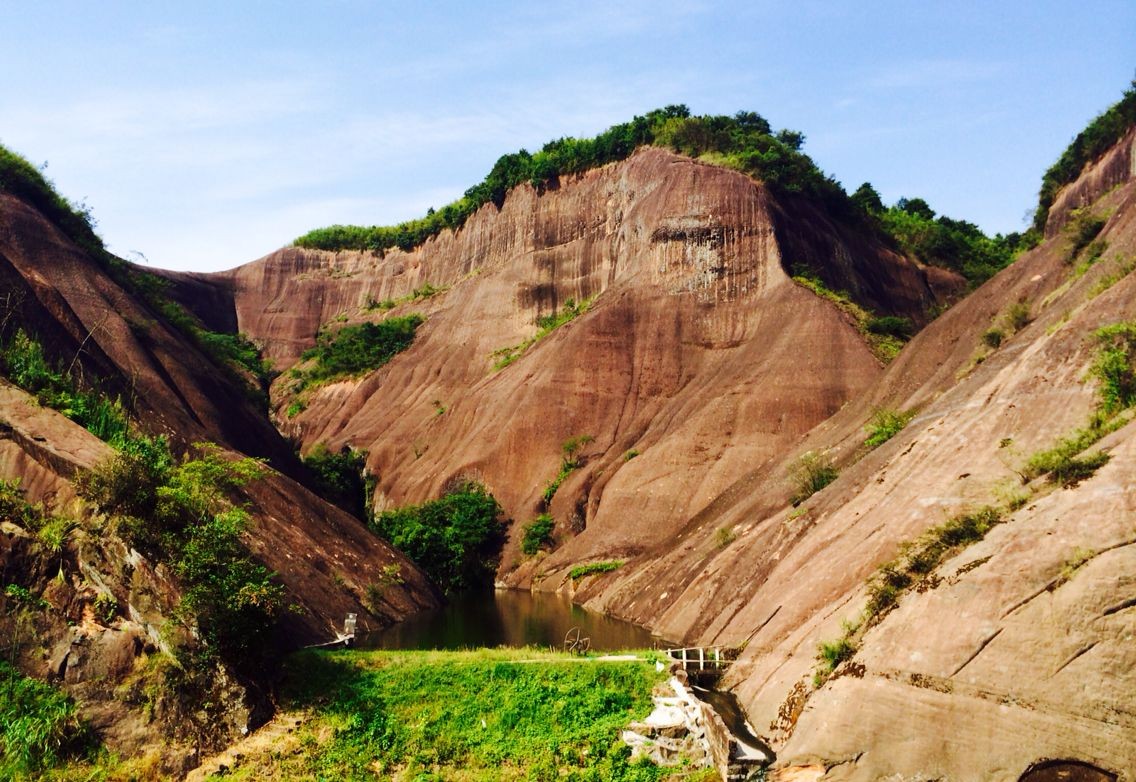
point(82, 607)
point(703, 372)
point(698, 355)
point(976, 608)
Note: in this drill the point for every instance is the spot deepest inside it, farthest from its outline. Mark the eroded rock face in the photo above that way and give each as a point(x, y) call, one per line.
point(69, 302)
point(699, 356)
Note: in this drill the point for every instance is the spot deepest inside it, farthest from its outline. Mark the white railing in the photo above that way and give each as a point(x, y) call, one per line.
point(703, 658)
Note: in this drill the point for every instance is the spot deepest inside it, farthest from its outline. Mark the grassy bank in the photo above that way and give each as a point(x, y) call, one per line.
point(468, 715)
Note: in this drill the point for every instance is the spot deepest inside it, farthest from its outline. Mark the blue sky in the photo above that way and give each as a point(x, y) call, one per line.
point(204, 135)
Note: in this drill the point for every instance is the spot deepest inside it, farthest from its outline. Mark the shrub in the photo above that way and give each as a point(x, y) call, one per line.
point(570, 448)
point(1082, 228)
point(361, 348)
point(13, 506)
point(338, 477)
point(810, 473)
point(25, 363)
point(1018, 316)
point(592, 568)
point(993, 338)
point(884, 425)
point(1115, 367)
point(890, 325)
point(538, 533)
point(454, 539)
point(724, 537)
point(180, 512)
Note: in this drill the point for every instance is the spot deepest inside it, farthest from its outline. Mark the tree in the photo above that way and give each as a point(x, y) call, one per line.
point(867, 199)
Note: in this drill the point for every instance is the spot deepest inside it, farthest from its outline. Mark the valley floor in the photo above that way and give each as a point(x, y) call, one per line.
point(485, 714)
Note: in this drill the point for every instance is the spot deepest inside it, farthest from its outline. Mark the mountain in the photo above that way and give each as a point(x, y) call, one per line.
point(757, 411)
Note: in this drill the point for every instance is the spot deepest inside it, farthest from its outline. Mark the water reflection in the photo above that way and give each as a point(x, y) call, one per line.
point(507, 618)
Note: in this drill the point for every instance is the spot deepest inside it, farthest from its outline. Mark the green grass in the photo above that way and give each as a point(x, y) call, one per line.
point(810, 473)
point(884, 425)
point(831, 654)
point(592, 568)
point(471, 715)
point(919, 558)
point(546, 325)
point(356, 349)
point(39, 726)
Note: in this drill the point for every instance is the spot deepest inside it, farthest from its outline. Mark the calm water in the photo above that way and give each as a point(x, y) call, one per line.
point(508, 617)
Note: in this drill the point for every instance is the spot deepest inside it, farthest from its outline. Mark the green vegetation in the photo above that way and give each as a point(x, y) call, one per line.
point(884, 425)
point(744, 141)
point(355, 349)
point(992, 338)
point(475, 716)
point(630, 455)
point(1063, 463)
point(917, 560)
point(830, 654)
point(884, 335)
point(180, 512)
point(810, 473)
point(724, 536)
point(1092, 142)
point(39, 726)
point(546, 325)
point(890, 325)
point(942, 241)
point(1115, 367)
point(21, 179)
point(592, 568)
point(236, 354)
point(1082, 229)
point(1115, 371)
point(454, 539)
point(537, 534)
point(571, 460)
point(339, 477)
point(24, 363)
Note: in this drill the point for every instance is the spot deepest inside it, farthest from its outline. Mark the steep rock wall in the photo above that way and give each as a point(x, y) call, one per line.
point(698, 353)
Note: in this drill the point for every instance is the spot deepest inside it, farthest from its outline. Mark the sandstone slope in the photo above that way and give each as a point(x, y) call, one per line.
point(698, 354)
point(89, 322)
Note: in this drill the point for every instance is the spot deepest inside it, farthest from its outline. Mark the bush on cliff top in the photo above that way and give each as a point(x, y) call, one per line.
point(21, 179)
point(1092, 142)
point(744, 141)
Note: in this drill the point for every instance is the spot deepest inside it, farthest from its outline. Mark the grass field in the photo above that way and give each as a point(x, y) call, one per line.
point(500, 714)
